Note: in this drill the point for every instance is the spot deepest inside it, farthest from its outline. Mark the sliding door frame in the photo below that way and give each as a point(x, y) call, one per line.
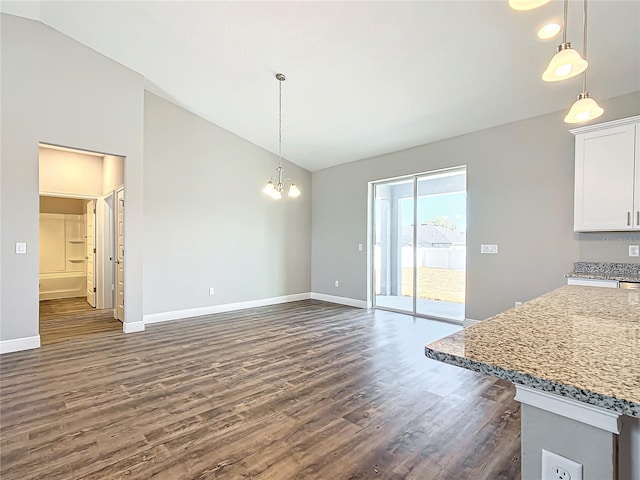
point(372, 240)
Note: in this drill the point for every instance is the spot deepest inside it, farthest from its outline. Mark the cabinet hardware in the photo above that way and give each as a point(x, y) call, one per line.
point(628, 219)
point(638, 218)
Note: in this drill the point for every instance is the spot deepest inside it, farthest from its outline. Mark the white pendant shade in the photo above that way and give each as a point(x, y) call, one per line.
point(268, 188)
point(567, 63)
point(527, 4)
point(294, 191)
point(583, 109)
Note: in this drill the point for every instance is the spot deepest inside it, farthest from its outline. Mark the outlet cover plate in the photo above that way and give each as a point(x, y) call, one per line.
point(557, 467)
point(489, 248)
point(634, 250)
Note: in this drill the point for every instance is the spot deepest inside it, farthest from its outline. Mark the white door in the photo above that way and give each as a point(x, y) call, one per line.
point(90, 256)
point(119, 213)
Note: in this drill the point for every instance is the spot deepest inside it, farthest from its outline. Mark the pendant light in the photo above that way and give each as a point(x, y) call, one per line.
point(527, 4)
point(567, 63)
point(584, 108)
point(278, 184)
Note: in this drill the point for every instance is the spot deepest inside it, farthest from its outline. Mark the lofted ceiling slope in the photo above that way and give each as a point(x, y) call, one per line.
point(363, 78)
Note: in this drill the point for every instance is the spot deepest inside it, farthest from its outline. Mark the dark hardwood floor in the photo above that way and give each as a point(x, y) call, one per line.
point(305, 390)
point(73, 319)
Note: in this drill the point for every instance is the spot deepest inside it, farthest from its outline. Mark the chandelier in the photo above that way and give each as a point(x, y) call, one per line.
point(278, 183)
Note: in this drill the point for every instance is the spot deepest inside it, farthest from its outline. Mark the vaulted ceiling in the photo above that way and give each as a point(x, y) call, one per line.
point(363, 78)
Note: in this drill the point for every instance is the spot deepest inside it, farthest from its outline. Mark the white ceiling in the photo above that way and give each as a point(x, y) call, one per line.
point(363, 78)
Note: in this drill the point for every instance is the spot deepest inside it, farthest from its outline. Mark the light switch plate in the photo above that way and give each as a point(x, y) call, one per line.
point(634, 250)
point(489, 248)
point(21, 248)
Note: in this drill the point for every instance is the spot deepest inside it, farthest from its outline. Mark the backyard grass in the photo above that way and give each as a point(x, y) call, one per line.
point(435, 284)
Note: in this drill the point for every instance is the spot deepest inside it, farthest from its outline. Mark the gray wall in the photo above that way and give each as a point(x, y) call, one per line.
point(207, 222)
point(58, 91)
point(520, 196)
point(577, 441)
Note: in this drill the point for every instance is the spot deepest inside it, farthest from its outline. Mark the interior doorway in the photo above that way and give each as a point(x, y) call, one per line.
point(78, 239)
point(419, 244)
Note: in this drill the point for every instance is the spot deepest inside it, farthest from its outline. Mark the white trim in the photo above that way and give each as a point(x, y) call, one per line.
point(352, 302)
point(470, 321)
point(565, 407)
point(613, 123)
point(68, 195)
point(226, 307)
point(132, 327)
point(18, 344)
point(592, 282)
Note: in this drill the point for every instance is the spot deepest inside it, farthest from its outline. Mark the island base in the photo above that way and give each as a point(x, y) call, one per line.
point(606, 443)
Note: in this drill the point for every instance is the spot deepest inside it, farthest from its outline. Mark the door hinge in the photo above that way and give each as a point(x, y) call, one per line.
point(94, 290)
point(94, 250)
point(94, 211)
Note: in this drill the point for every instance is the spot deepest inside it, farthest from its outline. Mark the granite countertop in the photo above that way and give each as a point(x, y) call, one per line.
point(578, 342)
point(622, 272)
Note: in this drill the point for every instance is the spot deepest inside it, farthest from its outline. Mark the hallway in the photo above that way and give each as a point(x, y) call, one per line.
point(72, 319)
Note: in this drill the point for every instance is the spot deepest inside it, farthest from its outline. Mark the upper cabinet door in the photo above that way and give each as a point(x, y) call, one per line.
point(606, 179)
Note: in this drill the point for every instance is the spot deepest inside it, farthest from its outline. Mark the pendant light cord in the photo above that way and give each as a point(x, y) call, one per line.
point(584, 24)
point(564, 30)
point(279, 122)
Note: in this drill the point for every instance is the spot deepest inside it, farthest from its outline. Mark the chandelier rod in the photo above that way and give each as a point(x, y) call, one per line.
point(281, 78)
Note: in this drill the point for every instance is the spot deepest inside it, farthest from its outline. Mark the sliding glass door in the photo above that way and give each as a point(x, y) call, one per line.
point(393, 245)
point(421, 270)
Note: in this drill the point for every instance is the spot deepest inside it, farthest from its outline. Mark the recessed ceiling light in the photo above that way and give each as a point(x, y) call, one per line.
point(549, 31)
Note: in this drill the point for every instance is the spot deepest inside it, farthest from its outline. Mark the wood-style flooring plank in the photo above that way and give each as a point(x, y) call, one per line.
point(305, 390)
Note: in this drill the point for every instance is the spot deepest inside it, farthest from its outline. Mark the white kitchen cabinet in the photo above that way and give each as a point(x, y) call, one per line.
point(607, 176)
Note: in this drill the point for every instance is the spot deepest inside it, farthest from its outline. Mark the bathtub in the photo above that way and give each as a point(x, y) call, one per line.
point(62, 285)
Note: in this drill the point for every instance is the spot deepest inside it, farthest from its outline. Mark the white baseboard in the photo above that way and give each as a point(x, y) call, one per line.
point(470, 321)
point(132, 327)
point(225, 307)
point(352, 302)
point(17, 344)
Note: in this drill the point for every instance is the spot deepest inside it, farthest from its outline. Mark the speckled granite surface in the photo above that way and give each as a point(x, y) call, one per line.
point(623, 272)
point(578, 342)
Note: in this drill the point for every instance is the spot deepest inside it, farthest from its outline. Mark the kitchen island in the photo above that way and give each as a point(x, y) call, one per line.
point(574, 357)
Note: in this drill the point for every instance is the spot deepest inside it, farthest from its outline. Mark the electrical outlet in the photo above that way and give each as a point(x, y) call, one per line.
point(557, 467)
point(518, 304)
point(212, 291)
point(337, 283)
point(634, 250)
point(359, 247)
point(489, 248)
